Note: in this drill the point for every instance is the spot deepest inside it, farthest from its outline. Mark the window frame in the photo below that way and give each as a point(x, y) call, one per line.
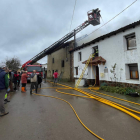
point(80, 56)
point(127, 38)
point(134, 65)
point(52, 60)
point(76, 70)
point(94, 50)
point(52, 72)
point(62, 63)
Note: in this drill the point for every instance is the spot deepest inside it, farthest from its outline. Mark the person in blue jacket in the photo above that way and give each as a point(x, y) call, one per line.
point(4, 82)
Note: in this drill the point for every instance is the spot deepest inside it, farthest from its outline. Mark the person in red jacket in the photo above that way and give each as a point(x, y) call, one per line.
point(55, 75)
point(23, 81)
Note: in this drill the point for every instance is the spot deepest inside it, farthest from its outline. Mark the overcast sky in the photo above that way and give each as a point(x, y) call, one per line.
point(29, 26)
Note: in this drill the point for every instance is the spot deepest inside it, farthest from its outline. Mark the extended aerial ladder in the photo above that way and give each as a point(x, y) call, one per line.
point(93, 18)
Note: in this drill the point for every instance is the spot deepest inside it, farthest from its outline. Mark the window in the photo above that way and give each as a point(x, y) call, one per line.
point(31, 68)
point(131, 41)
point(133, 68)
point(79, 55)
point(53, 60)
point(62, 63)
point(52, 72)
point(95, 50)
point(76, 70)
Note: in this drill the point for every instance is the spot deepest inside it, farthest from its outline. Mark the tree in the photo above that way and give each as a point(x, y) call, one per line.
point(12, 63)
point(114, 73)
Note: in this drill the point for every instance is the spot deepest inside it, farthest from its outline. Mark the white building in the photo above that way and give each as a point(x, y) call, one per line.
point(120, 47)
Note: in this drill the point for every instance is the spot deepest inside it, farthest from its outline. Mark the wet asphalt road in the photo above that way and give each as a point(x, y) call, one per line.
point(42, 118)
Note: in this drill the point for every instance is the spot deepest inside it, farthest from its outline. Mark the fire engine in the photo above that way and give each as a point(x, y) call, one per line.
point(29, 68)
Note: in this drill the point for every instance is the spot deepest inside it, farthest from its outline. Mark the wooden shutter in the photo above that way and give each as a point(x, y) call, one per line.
point(76, 70)
point(131, 74)
point(137, 74)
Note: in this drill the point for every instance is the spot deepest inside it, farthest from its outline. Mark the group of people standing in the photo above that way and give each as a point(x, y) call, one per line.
point(10, 81)
point(35, 79)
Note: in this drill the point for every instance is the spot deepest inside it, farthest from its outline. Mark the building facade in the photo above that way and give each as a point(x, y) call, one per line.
point(117, 59)
point(59, 60)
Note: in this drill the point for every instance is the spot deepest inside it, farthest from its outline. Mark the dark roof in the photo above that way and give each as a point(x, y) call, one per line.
point(123, 29)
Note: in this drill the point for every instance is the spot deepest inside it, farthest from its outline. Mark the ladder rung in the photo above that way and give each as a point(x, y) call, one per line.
point(86, 65)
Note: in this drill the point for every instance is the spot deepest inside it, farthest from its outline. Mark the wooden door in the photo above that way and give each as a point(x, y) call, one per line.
point(97, 76)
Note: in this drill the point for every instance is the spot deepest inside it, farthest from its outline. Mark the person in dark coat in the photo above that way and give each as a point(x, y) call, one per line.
point(4, 83)
point(11, 81)
point(39, 79)
point(18, 80)
point(15, 79)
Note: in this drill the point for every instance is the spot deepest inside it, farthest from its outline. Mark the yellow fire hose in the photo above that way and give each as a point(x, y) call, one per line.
point(115, 97)
point(74, 112)
point(96, 97)
point(91, 96)
point(105, 101)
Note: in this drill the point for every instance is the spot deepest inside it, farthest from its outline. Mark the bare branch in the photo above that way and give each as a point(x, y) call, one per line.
point(12, 63)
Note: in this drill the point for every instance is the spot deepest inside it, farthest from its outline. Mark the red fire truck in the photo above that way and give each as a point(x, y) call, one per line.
point(29, 68)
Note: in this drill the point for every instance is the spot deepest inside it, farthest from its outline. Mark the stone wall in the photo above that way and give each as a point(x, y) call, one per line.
point(110, 83)
point(59, 55)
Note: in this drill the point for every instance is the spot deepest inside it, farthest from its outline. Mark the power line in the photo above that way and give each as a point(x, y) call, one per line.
point(73, 14)
point(113, 17)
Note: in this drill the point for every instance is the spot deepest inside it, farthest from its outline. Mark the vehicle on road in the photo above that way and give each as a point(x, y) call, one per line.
point(29, 68)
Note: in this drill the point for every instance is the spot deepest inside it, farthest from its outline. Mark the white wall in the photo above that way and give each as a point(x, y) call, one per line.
point(114, 50)
point(85, 53)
